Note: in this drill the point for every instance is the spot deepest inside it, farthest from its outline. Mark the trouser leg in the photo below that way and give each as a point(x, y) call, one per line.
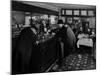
point(61, 54)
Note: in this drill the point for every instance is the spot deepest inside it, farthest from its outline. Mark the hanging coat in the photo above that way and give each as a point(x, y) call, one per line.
point(71, 37)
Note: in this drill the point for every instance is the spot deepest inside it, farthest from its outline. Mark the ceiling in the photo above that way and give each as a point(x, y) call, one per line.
point(57, 6)
point(52, 6)
point(21, 6)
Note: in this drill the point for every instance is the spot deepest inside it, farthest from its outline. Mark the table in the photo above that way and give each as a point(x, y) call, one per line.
point(85, 41)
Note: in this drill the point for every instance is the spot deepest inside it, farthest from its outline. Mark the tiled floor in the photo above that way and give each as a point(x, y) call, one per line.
point(76, 62)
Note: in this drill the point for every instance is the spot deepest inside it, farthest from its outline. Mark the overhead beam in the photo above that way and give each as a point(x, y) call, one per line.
point(18, 6)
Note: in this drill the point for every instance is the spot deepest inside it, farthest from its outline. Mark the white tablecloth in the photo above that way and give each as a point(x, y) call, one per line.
point(85, 42)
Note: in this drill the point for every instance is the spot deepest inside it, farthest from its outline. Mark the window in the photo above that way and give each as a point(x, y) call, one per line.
point(68, 12)
point(63, 12)
point(83, 12)
point(90, 13)
point(76, 12)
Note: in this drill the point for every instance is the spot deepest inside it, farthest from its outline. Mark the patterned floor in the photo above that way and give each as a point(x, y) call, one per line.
point(76, 62)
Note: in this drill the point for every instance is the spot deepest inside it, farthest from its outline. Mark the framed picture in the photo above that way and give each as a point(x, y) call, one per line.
point(54, 37)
